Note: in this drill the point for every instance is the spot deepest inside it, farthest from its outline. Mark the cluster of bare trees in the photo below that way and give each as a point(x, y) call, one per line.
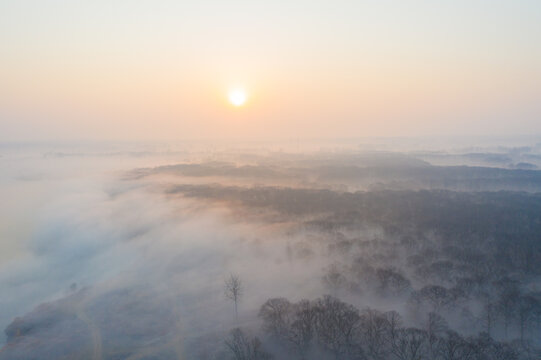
point(242, 347)
point(328, 328)
point(472, 258)
point(454, 279)
point(505, 310)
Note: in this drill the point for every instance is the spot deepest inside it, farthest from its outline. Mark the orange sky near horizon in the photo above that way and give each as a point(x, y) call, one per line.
point(163, 70)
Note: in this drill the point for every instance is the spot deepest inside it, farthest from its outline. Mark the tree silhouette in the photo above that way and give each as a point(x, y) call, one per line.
point(234, 291)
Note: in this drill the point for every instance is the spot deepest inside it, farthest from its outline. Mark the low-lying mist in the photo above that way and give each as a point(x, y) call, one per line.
point(110, 252)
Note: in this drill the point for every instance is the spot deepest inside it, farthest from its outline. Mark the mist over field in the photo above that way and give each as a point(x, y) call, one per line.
point(255, 180)
point(368, 249)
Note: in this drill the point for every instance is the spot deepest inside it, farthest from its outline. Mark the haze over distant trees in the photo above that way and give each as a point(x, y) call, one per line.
point(378, 256)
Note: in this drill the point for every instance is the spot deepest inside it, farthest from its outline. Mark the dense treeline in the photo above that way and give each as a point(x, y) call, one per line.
point(469, 258)
point(507, 222)
point(328, 328)
point(371, 171)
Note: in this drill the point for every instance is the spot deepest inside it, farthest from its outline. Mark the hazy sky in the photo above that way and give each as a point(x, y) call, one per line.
point(137, 70)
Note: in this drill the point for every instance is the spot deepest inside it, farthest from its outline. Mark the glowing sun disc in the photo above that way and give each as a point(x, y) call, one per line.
point(237, 97)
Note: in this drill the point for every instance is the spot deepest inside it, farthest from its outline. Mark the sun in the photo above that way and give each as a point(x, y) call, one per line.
point(237, 97)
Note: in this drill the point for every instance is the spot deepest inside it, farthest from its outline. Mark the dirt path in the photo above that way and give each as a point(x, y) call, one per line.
point(94, 330)
point(174, 343)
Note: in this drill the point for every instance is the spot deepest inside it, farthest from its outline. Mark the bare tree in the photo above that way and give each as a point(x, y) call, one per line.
point(243, 348)
point(234, 291)
point(490, 311)
point(334, 279)
point(452, 346)
point(509, 298)
point(435, 327)
point(302, 329)
point(437, 297)
point(527, 306)
point(336, 325)
point(484, 347)
point(374, 331)
point(391, 282)
point(394, 324)
point(410, 344)
point(277, 316)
